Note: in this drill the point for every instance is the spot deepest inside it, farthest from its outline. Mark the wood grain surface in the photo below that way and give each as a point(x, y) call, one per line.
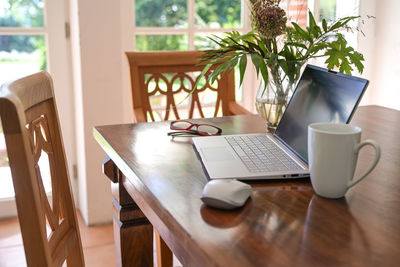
point(49, 226)
point(284, 223)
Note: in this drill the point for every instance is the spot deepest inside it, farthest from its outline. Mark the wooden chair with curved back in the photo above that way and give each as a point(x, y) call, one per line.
point(31, 128)
point(163, 77)
point(161, 80)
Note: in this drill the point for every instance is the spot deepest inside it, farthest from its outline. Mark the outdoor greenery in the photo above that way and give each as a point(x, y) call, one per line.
point(273, 45)
point(23, 13)
point(217, 13)
point(327, 10)
point(174, 13)
point(161, 42)
point(161, 13)
point(149, 13)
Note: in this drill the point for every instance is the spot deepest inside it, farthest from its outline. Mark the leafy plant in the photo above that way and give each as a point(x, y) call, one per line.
point(272, 45)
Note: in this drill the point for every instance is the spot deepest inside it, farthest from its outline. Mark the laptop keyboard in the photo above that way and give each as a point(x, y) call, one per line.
point(260, 154)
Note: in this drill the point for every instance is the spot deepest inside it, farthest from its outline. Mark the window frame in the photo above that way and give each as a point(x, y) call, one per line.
point(191, 30)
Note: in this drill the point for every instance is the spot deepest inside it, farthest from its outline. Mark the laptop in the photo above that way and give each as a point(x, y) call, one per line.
point(321, 95)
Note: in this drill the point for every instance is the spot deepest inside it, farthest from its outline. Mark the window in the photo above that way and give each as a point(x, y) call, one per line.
point(32, 38)
point(332, 10)
point(22, 38)
point(22, 52)
point(183, 24)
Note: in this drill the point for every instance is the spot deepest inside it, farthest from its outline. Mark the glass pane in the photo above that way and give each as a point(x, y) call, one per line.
point(6, 188)
point(21, 13)
point(327, 10)
point(238, 87)
point(161, 42)
point(161, 13)
point(218, 14)
point(21, 55)
point(201, 41)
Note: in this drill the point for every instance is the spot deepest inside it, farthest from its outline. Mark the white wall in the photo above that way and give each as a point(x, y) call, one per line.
point(366, 45)
point(381, 48)
point(97, 61)
point(60, 69)
point(387, 54)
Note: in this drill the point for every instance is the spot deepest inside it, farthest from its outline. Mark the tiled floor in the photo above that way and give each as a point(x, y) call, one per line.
point(97, 241)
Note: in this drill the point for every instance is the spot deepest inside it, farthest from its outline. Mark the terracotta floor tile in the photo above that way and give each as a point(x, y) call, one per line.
point(95, 235)
point(101, 256)
point(97, 242)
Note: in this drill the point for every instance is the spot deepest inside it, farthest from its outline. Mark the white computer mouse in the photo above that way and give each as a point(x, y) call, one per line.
point(225, 194)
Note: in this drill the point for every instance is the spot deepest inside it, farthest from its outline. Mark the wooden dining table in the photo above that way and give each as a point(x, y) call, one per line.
point(157, 182)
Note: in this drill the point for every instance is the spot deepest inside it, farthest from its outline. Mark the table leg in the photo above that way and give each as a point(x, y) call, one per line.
point(164, 254)
point(133, 233)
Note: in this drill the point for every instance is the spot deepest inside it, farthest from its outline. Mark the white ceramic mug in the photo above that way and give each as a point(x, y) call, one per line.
point(332, 157)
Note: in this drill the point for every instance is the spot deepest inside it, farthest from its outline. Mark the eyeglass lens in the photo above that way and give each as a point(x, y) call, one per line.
point(203, 128)
point(207, 129)
point(181, 124)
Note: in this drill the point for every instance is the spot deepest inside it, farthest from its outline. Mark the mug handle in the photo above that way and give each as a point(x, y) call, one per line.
point(377, 157)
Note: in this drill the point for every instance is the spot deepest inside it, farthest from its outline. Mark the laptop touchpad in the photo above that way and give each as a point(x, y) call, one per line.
point(217, 154)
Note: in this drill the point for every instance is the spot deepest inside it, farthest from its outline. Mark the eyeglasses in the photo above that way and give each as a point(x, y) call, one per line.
point(184, 128)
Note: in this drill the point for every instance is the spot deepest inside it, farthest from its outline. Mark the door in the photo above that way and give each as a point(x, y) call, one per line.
point(33, 38)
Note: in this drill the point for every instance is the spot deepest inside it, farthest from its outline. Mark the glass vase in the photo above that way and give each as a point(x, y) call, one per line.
point(272, 99)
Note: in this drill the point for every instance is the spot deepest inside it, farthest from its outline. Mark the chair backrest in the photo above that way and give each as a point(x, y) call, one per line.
point(160, 82)
point(31, 128)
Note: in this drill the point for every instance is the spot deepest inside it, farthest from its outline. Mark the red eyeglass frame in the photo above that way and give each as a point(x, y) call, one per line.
point(192, 125)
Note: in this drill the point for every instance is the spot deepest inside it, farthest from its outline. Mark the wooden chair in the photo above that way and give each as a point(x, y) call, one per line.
point(161, 80)
point(31, 128)
point(163, 76)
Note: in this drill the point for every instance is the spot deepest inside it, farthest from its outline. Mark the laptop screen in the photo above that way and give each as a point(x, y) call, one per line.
point(320, 96)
